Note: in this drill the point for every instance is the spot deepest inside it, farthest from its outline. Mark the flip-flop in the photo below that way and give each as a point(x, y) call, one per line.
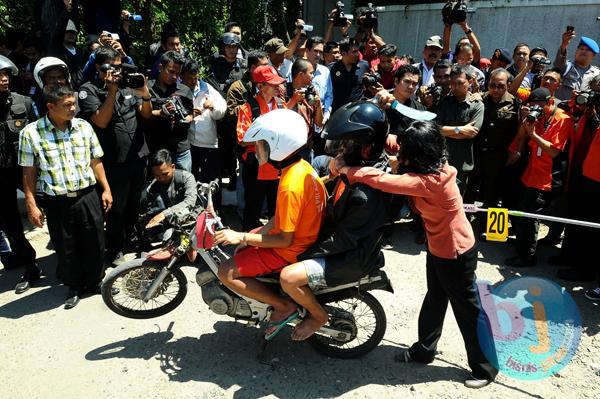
point(279, 324)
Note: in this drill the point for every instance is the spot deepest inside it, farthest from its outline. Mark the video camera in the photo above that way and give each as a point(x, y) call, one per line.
point(435, 91)
point(588, 97)
point(535, 112)
point(129, 76)
point(541, 61)
point(178, 113)
point(309, 94)
point(370, 16)
point(339, 17)
point(455, 11)
point(371, 79)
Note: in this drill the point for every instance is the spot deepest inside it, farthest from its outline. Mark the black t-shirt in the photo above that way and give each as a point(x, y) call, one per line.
point(165, 132)
point(123, 138)
point(347, 85)
point(398, 122)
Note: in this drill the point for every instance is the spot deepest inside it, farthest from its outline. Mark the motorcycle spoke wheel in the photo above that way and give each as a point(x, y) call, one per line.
point(124, 289)
point(363, 320)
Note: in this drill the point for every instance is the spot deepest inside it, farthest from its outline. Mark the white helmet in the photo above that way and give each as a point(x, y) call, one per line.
point(285, 131)
point(6, 63)
point(47, 63)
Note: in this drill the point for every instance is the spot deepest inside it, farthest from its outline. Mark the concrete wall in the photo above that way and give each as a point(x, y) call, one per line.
point(501, 23)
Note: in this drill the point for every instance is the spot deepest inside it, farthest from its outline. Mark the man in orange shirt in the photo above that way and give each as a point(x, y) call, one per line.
point(278, 138)
point(544, 138)
point(260, 182)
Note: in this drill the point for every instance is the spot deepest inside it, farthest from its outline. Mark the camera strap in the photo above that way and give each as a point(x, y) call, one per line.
point(550, 119)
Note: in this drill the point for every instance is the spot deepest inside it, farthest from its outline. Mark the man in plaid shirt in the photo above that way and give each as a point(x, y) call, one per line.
point(60, 156)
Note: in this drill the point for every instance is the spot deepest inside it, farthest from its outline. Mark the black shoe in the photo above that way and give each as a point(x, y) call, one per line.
point(386, 244)
point(72, 299)
point(29, 278)
point(519, 261)
point(549, 241)
point(574, 275)
point(558, 260)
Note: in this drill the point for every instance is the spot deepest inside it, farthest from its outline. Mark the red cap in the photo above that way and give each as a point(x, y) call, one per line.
point(267, 74)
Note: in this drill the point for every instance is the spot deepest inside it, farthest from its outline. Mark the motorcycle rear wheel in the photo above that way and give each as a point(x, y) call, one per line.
point(133, 279)
point(362, 317)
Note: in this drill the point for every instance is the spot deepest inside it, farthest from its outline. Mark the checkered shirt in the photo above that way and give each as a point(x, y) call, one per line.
point(62, 158)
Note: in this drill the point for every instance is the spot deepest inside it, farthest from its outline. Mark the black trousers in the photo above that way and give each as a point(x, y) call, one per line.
point(255, 193)
point(76, 227)
point(10, 219)
point(206, 167)
point(126, 181)
point(453, 281)
point(580, 242)
point(533, 201)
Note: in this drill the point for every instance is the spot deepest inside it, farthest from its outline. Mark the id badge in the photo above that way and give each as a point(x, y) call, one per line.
point(539, 151)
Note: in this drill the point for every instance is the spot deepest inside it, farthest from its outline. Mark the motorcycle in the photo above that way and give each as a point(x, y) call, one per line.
point(154, 284)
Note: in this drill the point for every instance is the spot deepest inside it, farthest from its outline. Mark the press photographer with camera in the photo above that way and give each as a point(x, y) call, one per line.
point(543, 133)
point(577, 74)
point(455, 12)
point(113, 102)
point(529, 77)
point(337, 18)
point(583, 192)
point(172, 111)
point(430, 96)
point(304, 99)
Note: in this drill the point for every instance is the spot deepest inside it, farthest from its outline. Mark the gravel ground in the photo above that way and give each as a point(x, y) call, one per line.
point(192, 353)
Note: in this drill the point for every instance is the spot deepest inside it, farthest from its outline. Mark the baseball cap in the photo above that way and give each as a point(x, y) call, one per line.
point(434, 41)
point(230, 38)
point(267, 74)
point(276, 46)
point(502, 54)
point(591, 43)
point(539, 49)
point(71, 26)
point(539, 94)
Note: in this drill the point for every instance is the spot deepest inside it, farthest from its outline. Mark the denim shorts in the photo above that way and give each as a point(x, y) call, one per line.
point(315, 272)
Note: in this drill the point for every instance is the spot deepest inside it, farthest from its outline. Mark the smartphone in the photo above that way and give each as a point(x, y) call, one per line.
point(570, 28)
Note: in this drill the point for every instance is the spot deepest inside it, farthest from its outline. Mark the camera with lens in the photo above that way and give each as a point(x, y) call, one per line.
point(541, 61)
point(370, 17)
point(588, 97)
point(455, 11)
point(309, 94)
point(129, 75)
point(178, 112)
point(435, 91)
point(371, 79)
point(339, 17)
point(535, 112)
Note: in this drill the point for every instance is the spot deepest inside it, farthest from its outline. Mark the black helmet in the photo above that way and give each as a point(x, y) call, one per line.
point(362, 121)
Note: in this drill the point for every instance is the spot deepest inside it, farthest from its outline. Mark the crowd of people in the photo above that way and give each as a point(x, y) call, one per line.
point(88, 134)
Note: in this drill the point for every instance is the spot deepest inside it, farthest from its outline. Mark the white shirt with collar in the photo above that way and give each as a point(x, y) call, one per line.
point(203, 129)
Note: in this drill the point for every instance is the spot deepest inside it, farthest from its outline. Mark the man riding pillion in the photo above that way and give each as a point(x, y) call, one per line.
point(279, 136)
point(348, 247)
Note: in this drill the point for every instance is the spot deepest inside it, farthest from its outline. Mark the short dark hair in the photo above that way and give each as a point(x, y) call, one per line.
point(300, 65)
point(53, 93)
point(311, 41)
point(347, 43)
point(329, 46)
point(190, 66)
point(35, 43)
point(442, 64)
point(424, 147)
point(520, 45)
point(407, 68)
point(105, 54)
point(171, 56)
point(555, 70)
point(255, 56)
point(160, 157)
point(168, 30)
point(229, 25)
point(388, 50)
point(458, 70)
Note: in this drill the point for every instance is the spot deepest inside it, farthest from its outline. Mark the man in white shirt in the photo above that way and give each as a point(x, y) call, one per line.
point(431, 54)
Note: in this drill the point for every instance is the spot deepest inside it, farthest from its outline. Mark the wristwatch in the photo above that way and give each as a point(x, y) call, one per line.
point(457, 130)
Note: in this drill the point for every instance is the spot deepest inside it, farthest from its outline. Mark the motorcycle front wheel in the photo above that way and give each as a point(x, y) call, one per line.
point(361, 317)
point(124, 288)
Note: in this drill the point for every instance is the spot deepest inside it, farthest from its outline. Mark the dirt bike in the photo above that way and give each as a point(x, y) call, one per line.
point(154, 285)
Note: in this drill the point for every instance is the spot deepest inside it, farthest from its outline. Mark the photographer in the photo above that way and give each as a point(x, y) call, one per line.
point(337, 18)
point(460, 116)
point(105, 39)
point(304, 99)
point(430, 96)
point(113, 110)
point(529, 77)
point(578, 73)
point(172, 111)
point(543, 133)
point(456, 13)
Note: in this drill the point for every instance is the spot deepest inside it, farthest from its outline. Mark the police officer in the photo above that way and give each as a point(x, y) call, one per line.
point(15, 112)
point(113, 111)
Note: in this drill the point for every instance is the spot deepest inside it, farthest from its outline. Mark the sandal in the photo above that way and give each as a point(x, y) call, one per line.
point(273, 327)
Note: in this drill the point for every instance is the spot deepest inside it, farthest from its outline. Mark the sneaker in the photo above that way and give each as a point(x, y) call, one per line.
point(386, 244)
point(593, 294)
point(476, 383)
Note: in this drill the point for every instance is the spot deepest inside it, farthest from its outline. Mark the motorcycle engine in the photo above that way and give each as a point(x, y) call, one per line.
point(219, 299)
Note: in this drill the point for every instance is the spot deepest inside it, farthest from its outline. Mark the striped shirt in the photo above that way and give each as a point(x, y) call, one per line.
point(63, 158)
